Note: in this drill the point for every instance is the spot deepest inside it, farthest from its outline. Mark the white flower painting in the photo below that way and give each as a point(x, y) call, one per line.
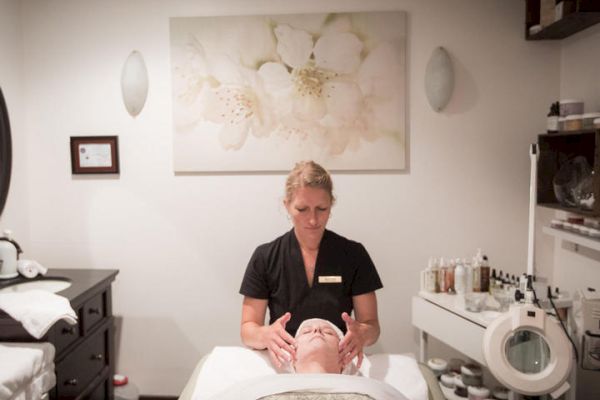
point(258, 93)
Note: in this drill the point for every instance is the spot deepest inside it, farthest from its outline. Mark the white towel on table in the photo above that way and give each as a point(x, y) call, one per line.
point(26, 370)
point(37, 310)
point(228, 366)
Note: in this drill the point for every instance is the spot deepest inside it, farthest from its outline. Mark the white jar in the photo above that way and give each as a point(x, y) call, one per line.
point(561, 123)
point(468, 277)
point(570, 107)
point(588, 119)
point(478, 392)
point(437, 365)
point(447, 380)
point(501, 393)
point(573, 122)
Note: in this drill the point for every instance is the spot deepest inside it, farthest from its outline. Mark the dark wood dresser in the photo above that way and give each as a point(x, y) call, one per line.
point(85, 355)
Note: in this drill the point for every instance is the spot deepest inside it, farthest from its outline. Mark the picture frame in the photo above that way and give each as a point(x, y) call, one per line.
point(94, 154)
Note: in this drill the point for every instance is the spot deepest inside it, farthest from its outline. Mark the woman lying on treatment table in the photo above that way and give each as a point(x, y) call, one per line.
point(241, 373)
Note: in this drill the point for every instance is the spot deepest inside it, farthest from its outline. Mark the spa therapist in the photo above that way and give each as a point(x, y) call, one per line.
point(309, 272)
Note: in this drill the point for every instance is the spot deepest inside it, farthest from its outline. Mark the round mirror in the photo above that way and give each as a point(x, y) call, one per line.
point(527, 352)
point(5, 152)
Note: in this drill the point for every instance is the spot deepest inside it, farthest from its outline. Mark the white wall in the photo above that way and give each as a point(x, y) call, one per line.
point(181, 242)
point(14, 216)
point(573, 268)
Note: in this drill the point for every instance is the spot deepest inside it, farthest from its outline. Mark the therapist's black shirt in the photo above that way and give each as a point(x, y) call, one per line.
point(276, 272)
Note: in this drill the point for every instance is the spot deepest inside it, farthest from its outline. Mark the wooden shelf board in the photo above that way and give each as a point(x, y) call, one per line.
point(589, 131)
point(567, 26)
point(558, 206)
point(581, 240)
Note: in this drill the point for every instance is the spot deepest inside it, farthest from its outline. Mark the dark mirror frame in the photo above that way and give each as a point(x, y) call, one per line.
point(5, 152)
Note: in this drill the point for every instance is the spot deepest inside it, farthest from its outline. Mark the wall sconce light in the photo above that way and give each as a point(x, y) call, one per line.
point(439, 79)
point(134, 83)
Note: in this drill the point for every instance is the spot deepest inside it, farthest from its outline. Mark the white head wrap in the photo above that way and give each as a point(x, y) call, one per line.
point(331, 324)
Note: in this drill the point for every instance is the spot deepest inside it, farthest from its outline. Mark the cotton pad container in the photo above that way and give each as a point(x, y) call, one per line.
point(437, 365)
point(471, 374)
point(460, 387)
point(447, 380)
point(478, 392)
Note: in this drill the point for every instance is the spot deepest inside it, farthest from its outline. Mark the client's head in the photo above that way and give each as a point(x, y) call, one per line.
point(317, 347)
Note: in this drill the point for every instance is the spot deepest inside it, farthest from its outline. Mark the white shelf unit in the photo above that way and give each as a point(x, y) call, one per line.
point(575, 238)
point(438, 315)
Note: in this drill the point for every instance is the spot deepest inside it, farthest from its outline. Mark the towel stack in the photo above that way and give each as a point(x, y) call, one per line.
point(26, 370)
point(37, 310)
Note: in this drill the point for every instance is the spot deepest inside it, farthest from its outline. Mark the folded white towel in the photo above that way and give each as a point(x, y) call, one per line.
point(30, 268)
point(37, 310)
point(26, 370)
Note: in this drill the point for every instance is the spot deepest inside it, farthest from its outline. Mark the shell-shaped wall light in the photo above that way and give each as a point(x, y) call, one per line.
point(134, 83)
point(439, 79)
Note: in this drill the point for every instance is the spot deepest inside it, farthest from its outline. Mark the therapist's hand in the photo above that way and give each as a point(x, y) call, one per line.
point(279, 341)
point(353, 342)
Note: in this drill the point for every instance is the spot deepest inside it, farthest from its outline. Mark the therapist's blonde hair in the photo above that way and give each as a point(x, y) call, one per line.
point(308, 174)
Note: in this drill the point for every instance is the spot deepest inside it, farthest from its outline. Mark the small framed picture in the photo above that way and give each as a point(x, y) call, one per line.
point(94, 154)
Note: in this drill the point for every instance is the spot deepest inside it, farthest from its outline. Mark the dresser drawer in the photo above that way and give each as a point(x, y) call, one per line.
point(84, 363)
point(94, 310)
point(64, 334)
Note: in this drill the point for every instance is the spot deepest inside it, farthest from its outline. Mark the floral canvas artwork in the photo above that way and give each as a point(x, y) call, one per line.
point(258, 93)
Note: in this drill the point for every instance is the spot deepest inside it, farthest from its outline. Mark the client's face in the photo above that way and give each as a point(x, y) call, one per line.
point(317, 346)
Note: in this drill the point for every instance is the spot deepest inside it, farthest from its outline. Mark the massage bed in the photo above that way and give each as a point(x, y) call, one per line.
point(240, 373)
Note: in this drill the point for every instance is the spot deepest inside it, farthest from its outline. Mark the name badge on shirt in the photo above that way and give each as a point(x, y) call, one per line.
point(330, 279)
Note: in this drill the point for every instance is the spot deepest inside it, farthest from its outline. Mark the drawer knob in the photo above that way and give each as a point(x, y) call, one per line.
point(71, 382)
point(97, 356)
point(68, 330)
point(94, 310)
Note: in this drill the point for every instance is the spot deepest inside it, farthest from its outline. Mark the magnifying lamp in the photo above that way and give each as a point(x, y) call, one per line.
point(526, 349)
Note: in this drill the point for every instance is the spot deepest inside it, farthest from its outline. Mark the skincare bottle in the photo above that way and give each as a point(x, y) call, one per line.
point(523, 283)
point(552, 125)
point(442, 277)
point(476, 275)
point(436, 277)
point(511, 288)
point(431, 276)
point(450, 277)
point(459, 278)
point(493, 280)
point(499, 280)
point(485, 274)
point(425, 275)
point(468, 276)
